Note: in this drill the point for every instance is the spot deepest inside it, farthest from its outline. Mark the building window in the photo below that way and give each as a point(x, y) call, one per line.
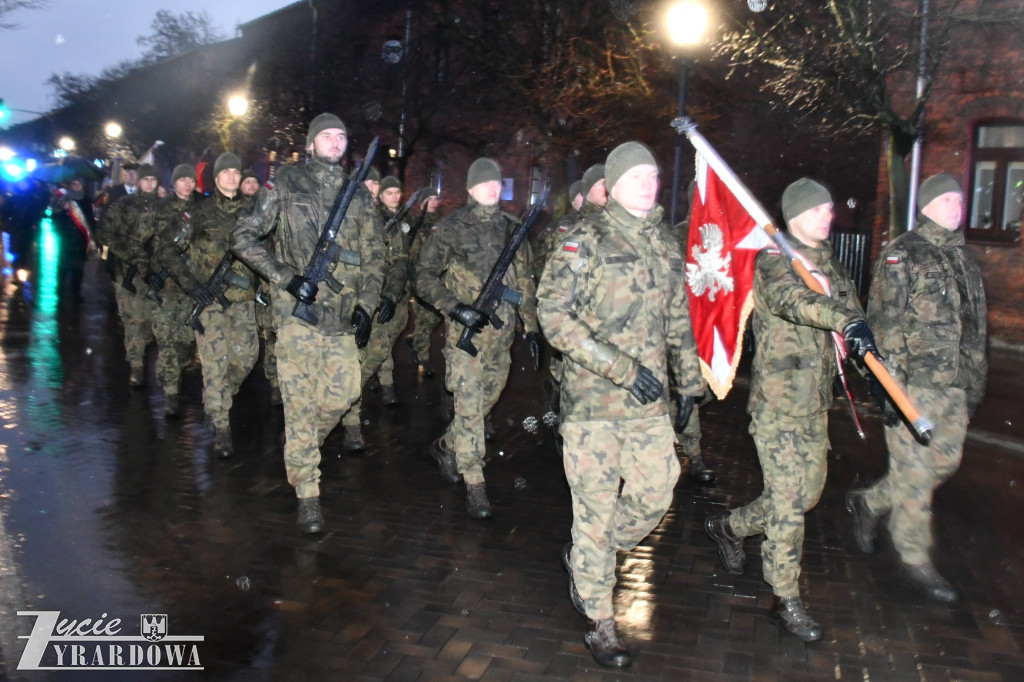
point(997, 181)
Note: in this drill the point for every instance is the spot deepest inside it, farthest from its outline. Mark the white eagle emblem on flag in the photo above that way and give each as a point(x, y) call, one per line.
point(710, 272)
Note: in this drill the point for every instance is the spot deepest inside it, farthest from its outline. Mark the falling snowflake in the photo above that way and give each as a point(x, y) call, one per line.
point(372, 111)
point(710, 271)
point(530, 424)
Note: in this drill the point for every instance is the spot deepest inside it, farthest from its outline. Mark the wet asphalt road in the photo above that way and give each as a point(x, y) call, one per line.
point(110, 509)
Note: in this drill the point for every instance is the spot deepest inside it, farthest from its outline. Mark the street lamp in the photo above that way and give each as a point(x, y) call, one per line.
point(113, 129)
point(238, 105)
point(687, 22)
point(66, 143)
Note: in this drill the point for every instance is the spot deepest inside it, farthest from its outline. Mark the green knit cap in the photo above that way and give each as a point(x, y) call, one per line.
point(227, 161)
point(389, 182)
point(591, 177)
point(802, 195)
point(322, 123)
point(482, 170)
point(147, 170)
point(182, 170)
point(627, 155)
point(373, 174)
point(935, 186)
point(574, 189)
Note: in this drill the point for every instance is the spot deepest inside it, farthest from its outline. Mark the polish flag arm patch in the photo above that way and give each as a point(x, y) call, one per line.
point(269, 184)
point(892, 260)
point(572, 247)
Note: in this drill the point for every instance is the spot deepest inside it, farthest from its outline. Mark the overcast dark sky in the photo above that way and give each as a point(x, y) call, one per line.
point(86, 36)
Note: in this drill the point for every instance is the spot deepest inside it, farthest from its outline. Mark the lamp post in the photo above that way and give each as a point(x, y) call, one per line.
point(687, 21)
point(113, 131)
point(238, 105)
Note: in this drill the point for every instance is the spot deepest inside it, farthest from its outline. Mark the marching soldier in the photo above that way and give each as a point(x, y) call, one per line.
point(425, 318)
point(392, 315)
point(228, 346)
point(927, 307)
point(318, 365)
point(171, 219)
point(795, 363)
point(120, 231)
point(612, 299)
point(453, 265)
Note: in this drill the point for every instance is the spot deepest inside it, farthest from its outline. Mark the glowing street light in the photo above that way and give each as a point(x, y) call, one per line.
point(66, 143)
point(238, 105)
point(113, 129)
point(687, 22)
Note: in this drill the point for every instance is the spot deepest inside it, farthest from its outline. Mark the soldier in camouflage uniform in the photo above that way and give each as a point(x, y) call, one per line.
point(425, 318)
point(612, 299)
point(927, 306)
point(229, 345)
point(453, 265)
point(795, 364)
point(392, 316)
point(372, 183)
point(318, 365)
point(171, 218)
point(264, 308)
point(120, 230)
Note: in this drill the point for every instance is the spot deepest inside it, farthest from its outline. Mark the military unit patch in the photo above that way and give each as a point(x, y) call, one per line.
point(892, 260)
point(269, 184)
point(571, 246)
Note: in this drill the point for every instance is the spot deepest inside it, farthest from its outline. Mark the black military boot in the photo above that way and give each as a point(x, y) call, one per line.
point(388, 395)
point(730, 547)
point(605, 645)
point(864, 522)
point(477, 504)
point(699, 471)
point(925, 578)
point(310, 519)
point(790, 612)
point(222, 445)
point(353, 441)
point(445, 459)
point(574, 596)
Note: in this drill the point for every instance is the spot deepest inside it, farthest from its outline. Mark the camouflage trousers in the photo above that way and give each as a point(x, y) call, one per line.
point(319, 381)
point(915, 471)
point(267, 332)
point(377, 356)
point(174, 338)
point(425, 322)
point(598, 456)
point(136, 313)
point(228, 350)
point(476, 384)
point(792, 455)
point(689, 439)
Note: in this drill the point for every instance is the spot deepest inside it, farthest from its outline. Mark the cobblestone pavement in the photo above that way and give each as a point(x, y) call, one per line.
point(108, 509)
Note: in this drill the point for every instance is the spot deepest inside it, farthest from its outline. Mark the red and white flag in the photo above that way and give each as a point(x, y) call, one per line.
point(723, 243)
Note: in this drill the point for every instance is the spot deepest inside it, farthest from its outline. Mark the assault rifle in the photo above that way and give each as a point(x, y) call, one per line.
point(327, 251)
point(222, 278)
point(494, 292)
point(403, 209)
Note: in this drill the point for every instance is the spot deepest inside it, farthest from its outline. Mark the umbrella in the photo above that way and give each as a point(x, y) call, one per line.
point(70, 167)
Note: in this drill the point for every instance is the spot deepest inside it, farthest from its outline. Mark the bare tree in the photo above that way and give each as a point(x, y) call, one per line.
point(835, 63)
point(8, 7)
point(175, 34)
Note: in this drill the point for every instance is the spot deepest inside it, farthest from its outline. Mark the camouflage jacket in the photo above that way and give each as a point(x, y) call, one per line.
point(457, 258)
point(927, 311)
point(612, 296)
point(295, 207)
point(396, 257)
point(122, 231)
point(203, 242)
point(794, 360)
point(170, 217)
point(549, 239)
point(425, 229)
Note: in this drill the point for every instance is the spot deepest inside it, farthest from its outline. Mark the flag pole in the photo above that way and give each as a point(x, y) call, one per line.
point(922, 426)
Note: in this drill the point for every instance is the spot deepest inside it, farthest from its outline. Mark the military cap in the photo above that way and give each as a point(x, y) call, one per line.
point(227, 161)
point(482, 170)
point(389, 182)
point(147, 170)
point(627, 155)
point(321, 123)
point(182, 170)
point(373, 175)
point(591, 177)
point(802, 195)
point(935, 186)
point(574, 189)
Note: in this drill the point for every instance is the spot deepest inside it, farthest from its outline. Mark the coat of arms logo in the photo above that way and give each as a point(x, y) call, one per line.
point(154, 626)
point(710, 270)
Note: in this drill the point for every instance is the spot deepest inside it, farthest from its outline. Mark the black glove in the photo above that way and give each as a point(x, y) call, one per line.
point(889, 416)
point(646, 388)
point(533, 340)
point(859, 341)
point(302, 289)
point(155, 281)
point(198, 293)
point(684, 408)
point(361, 322)
point(469, 317)
point(386, 310)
